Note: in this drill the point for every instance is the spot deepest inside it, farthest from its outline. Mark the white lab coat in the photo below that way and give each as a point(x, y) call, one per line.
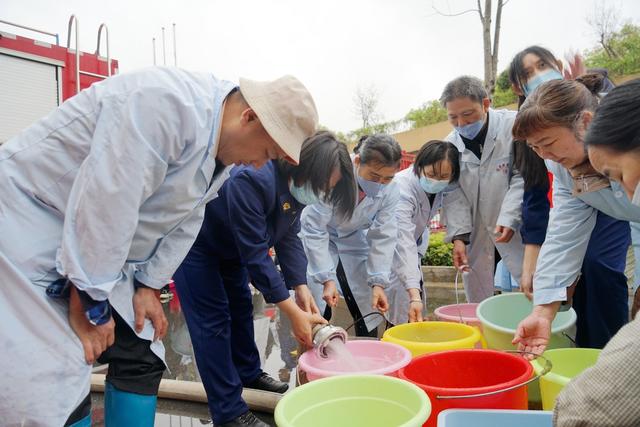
point(489, 193)
point(365, 245)
point(571, 222)
point(413, 214)
point(110, 185)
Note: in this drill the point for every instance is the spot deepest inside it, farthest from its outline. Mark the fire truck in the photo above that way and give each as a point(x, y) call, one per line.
point(36, 76)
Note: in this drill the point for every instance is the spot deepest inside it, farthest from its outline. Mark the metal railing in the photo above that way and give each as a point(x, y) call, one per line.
point(24, 27)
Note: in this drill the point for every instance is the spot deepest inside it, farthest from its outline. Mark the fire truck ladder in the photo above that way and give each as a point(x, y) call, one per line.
point(73, 20)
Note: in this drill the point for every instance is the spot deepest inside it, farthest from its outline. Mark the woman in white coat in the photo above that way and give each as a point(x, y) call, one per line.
point(437, 165)
point(99, 203)
point(553, 121)
point(357, 252)
point(484, 210)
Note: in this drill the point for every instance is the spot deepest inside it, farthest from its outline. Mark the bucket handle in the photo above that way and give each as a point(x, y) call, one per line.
point(547, 367)
point(483, 341)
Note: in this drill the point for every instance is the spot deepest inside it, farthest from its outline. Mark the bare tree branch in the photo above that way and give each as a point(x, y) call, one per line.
point(605, 21)
point(365, 101)
point(453, 14)
point(480, 11)
point(490, 46)
point(496, 45)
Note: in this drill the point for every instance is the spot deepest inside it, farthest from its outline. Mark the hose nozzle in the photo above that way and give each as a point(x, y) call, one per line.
point(323, 335)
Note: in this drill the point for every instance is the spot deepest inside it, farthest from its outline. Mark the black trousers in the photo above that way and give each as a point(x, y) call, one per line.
point(352, 305)
point(133, 367)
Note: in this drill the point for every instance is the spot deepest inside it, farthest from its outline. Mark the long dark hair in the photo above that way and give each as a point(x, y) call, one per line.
point(616, 125)
point(320, 156)
point(517, 73)
point(434, 152)
point(526, 161)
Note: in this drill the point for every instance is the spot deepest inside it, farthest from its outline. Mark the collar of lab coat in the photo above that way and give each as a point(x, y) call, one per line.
point(208, 166)
point(489, 142)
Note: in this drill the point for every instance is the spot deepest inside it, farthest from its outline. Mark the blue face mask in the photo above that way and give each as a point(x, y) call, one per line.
point(471, 130)
point(303, 194)
point(370, 188)
point(536, 81)
point(432, 186)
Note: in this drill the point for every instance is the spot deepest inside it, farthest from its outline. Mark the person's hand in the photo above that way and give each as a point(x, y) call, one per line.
point(576, 66)
point(526, 285)
point(504, 234)
point(305, 300)
point(330, 293)
point(460, 260)
point(379, 299)
point(415, 311)
point(146, 305)
point(534, 331)
point(302, 324)
point(415, 305)
point(94, 339)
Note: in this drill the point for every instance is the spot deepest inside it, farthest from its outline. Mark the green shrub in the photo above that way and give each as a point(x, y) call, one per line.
point(439, 252)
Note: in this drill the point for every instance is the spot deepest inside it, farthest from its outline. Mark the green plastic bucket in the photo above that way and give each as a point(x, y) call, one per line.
point(354, 401)
point(567, 364)
point(500, 316)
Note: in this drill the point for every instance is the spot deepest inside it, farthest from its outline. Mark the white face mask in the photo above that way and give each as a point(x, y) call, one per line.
point(636, 196)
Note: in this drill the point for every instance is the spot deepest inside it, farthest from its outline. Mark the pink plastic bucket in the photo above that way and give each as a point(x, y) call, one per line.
point(453, 313)
point(369, 357)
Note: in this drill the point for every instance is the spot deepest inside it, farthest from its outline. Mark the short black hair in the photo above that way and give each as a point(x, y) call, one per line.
point(321, 154)
point(356, 148)
point(616, 125)
point(435, 151)
point(380, 149)
point(464, 87)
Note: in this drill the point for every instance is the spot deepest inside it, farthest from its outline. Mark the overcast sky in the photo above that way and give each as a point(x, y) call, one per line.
point(400, 47)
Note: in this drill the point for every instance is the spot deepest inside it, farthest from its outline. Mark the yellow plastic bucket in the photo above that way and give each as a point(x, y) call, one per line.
point(427, 337)
point(567, 363)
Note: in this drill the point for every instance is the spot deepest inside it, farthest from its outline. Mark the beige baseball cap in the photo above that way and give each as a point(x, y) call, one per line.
point(285, 109)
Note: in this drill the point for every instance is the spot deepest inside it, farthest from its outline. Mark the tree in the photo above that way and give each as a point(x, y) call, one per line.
point(490, 48)
point(429, 113)
point(605, 24)
point(626, 44)
point(503, 94)
point(366, 104)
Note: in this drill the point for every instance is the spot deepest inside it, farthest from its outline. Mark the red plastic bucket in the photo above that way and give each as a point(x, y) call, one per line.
point(473, 379)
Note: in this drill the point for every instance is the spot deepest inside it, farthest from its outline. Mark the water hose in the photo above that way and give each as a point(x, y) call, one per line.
point(192, 391)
